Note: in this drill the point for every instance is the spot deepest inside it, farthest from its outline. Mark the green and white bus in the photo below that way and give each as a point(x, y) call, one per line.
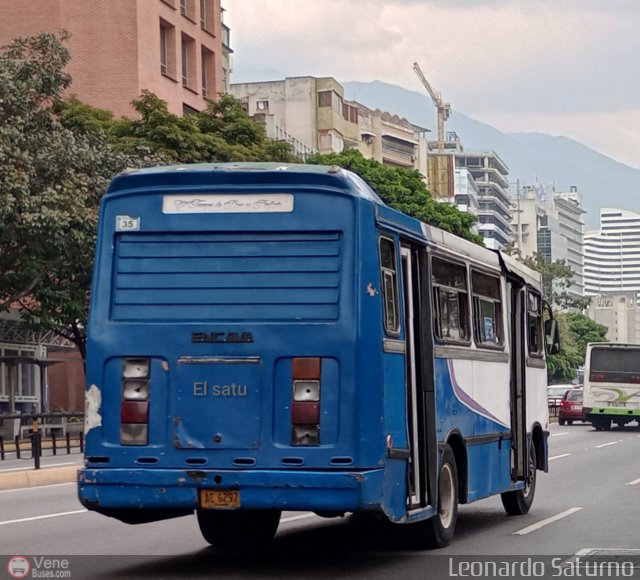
point(612, 384)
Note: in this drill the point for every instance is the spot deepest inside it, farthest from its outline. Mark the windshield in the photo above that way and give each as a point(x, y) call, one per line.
point(556, 391)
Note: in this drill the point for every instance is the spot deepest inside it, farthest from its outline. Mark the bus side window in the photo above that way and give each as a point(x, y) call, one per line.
point(534, 324)
point(487, 309)
point(389, 275)
point(450, 299)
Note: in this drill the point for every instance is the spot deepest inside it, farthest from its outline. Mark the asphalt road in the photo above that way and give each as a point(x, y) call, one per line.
point(589, 501)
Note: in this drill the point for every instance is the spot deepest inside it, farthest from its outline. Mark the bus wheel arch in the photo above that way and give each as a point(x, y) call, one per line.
point(438, 530)
point(456, 443)
point(539, 443)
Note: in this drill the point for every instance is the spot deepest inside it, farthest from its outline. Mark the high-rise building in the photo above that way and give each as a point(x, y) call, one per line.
point(178, 49)
point(612, 254)
point(551, 225)
point(490, 173)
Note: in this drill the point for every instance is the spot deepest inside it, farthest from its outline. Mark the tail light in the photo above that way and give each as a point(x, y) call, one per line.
point(134, 402)
point(565, 404)
point(305, 401)
point(635, 379)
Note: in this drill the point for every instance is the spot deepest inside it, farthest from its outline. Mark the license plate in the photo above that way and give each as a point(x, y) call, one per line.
point(576, 407)
point(210, 499)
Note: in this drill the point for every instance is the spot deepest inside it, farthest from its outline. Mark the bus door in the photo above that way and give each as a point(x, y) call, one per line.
point(420, 410)
point(518, 378)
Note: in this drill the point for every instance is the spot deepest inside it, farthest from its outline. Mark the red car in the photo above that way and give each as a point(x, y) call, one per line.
point(571, 407)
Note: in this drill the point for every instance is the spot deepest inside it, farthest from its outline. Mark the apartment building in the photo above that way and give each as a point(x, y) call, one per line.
point(551, 224)
point(178, 49)
point(490, 174)
point(612, 254)
point(313, 115)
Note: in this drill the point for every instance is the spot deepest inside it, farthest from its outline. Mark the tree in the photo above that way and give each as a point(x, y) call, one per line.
point(51, 179)
point(223, 132)
point(56, 159)
point(404, 190)
point(557, 278)
point(576, 330)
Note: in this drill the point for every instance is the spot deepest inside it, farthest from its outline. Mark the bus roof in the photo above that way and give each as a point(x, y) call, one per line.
point(247, 174)
point(243, 174)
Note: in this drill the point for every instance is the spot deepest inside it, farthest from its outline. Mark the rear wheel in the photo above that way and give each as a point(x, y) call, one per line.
point(570, 421)
point(517, 503)
point(439, 530)
point(561, 421)
point(242, 530)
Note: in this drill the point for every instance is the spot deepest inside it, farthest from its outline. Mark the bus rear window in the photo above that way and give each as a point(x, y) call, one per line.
point(615, 365)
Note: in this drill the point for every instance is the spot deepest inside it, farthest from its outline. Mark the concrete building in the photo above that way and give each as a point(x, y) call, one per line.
point(551, 225)
point(494, 203)
point(313, 115)
point(612, 255)
point(619, 313)
point(178, 49)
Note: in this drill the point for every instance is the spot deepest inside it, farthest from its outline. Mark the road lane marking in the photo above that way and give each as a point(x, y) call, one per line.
point(41, 467)
point(606, 444)
point(634, 482)
point(36, 487)
point(560, 434)
point(559, 456)
point(296, 518)
point(542, 523)
point(34, 518)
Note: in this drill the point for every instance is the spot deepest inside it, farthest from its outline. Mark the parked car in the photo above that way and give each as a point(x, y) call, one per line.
point(555, 394)
point(571, 407)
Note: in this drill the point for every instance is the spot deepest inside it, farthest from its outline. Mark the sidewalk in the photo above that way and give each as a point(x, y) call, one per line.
point(30, 477)
point(18, 473)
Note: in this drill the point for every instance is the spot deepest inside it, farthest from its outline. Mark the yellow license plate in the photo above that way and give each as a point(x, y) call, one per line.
point(210, 499)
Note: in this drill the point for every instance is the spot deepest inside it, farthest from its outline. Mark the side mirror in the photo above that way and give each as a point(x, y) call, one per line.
point(552, 336)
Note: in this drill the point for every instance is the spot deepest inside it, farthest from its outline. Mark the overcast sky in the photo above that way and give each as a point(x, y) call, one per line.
point(563, 67)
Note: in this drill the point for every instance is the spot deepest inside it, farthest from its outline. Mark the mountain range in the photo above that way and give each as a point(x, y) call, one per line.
point(531, 157)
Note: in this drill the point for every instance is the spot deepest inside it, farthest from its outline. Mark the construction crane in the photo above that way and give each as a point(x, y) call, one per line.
point(443, 109)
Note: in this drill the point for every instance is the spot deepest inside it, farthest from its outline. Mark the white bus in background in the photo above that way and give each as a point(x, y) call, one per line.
point(612, 384)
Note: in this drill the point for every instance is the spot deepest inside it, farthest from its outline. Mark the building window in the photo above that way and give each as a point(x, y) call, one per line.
point(188, 9)
point(331, 99)
point(167, 49)
point(188, 110)
point(18, 378)
point(451, 301)
point(188, 46)
point(208, 73)
point(207, 16)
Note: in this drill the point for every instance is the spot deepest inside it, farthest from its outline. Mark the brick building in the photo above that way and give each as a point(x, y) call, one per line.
point(178, 49)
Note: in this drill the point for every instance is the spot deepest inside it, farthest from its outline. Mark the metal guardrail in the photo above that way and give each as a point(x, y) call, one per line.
point(37, 431)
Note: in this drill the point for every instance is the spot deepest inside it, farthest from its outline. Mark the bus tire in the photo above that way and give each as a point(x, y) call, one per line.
point(518, 503)
point(439, 530)
point(241, 530)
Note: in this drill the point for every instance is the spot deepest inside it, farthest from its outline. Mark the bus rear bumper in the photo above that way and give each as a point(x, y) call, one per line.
point(160, 489)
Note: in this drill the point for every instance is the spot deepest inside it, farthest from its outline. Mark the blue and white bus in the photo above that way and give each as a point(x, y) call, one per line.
point(271, 337)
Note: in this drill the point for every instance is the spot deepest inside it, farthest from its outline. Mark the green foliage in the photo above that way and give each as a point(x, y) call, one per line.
point(223, 132)
point(56, 160)
point(576, 330)
point(557, 278)
point(55, 166)
point(404, 190)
